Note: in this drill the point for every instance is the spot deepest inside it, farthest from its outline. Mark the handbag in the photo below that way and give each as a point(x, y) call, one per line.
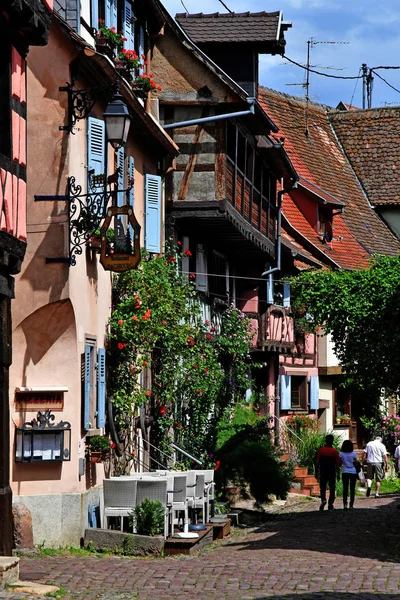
point(358, 466)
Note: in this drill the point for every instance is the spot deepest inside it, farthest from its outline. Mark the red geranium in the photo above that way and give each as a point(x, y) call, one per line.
point(121, 346)
point(120, 322)
point(187, 252)
point(148, 393)
point(163, 410)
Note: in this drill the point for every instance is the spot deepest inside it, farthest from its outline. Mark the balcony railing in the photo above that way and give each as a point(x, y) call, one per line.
point(248, 201)
point(276, 330)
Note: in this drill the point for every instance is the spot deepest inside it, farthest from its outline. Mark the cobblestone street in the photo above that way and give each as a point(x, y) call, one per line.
point(298, 553)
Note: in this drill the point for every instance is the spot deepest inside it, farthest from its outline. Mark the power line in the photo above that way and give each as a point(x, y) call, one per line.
point(186, 10)
point(387, 83)
point(225, 6)
point(318, 72)
point(355, 87)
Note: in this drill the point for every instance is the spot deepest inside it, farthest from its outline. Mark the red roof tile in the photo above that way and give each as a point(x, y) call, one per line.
point(343, 251)
point(371, 141)
point(319, 158)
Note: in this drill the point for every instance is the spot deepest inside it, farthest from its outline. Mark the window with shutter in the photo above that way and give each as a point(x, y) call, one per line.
point(314, 392)
point(121, 176)
point(86, 388)
point(298, 394)
point(94, 6)
point(285, 385)
point(128, 27)
point(101, 387)
point(286, 295)
point(141, 45)
point(201, 269)
point(89, 408)
point(96, 147)
point(153, 213)
point(270, 289)
point(114, 13)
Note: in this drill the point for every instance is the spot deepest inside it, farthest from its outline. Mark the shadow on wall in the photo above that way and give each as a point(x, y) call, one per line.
point(42, 329)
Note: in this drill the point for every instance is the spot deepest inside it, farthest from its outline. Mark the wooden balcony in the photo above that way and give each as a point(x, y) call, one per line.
point(276, 330)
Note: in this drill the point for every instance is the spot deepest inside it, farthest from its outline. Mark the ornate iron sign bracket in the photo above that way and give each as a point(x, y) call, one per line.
point(81, 102)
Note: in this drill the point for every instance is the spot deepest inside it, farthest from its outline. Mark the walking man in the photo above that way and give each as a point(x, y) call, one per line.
point(327, 468)
point(375, 455)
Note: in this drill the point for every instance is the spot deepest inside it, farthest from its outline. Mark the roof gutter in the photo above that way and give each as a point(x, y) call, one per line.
point(241, 113)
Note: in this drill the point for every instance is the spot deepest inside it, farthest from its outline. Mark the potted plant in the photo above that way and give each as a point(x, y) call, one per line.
point(148, 518)
point(95, 239)
point(344, 419)
point(108, 40)
point(127, 63)
point(144, 84)
point(99, 448)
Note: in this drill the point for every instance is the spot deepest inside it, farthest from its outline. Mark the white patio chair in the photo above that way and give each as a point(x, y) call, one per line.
point(198, 499)
point(154, 488)
point(209, 490)
point(119, 498)
point(179, 501)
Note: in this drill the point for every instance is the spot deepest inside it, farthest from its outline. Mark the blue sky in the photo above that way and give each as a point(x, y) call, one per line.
point(371, 28)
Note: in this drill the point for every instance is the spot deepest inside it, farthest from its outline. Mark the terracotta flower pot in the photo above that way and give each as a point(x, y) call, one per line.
point(98, 457)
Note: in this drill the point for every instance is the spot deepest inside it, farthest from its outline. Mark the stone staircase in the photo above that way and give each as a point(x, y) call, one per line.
point(304, 484)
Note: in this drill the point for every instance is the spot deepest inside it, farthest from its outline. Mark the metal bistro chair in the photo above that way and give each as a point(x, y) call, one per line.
point(119, 499)
point(154, 488)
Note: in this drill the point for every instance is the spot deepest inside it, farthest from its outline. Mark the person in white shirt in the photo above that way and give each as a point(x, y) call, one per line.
point(397, 460)
point(375, 455)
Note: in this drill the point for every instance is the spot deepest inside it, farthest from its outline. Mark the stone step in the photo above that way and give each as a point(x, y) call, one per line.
point(314, 489)
point(301, 492)
point(9, 570)
point(308, 480)
point(300, 472)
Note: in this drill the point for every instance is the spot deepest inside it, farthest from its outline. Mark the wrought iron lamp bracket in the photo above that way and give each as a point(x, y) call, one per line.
point(87, 211)
point(44, 420)
point(81, 102)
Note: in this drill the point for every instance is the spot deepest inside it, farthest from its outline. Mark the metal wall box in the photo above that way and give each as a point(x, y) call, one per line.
point(42, 441)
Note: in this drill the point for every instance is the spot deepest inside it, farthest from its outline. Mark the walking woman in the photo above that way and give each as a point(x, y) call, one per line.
point(349, 473)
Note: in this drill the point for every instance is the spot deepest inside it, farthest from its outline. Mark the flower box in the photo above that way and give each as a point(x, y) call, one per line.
point(98, 457)
point(139, 91)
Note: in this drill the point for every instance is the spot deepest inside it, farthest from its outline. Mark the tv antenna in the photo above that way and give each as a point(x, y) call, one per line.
point(306, 85)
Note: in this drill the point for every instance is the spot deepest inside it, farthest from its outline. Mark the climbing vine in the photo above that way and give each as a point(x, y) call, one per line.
point(163, 354)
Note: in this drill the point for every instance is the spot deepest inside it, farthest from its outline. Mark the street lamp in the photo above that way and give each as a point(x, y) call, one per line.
point(117, 120)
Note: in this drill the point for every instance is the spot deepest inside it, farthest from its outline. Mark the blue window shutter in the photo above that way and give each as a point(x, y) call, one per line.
point(153, 213)
point(95, 13)
point(285, 381)
point(107, 13)
point(286, 295)
point(86, 389)
point(131, 176)
point(141, 46)
point(101, 387)
point(270, 289)
point(201, 269)
point(114, 13)
point(121, 175)
point(129, 31)
point(314, 392)
point(96, 147)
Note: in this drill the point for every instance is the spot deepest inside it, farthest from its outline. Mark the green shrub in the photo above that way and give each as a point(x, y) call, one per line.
point(148, 517)
point(307, 446)
point(249, 461)
point(99, 443)
point(241, 414)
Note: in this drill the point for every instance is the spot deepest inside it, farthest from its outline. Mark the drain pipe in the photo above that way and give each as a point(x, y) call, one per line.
point(242, 113)
point(269, 274)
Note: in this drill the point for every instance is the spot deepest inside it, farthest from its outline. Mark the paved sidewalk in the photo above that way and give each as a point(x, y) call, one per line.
point(300, 553)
